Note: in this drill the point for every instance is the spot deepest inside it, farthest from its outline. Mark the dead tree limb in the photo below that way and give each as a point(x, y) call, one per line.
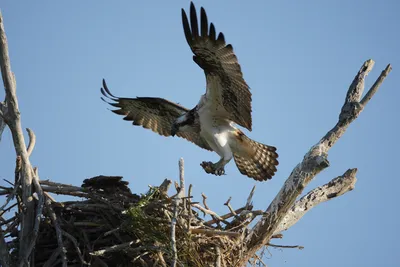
point(313, 163)
point(11, 116)
point(337, 187)
point(177, 201)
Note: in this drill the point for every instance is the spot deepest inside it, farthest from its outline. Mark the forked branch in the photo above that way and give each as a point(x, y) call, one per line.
point(313, 163)
point(11, 116)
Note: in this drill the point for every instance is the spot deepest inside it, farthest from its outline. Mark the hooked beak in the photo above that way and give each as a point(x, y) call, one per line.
point(174, 129)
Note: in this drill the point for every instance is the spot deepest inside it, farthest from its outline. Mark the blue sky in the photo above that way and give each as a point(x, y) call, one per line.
point(299, 59)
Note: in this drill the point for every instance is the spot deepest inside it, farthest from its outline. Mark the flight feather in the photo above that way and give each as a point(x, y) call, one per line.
point(225, 83)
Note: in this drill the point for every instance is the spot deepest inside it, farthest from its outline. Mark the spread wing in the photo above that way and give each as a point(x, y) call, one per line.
point(156, 114)
point(225, 83)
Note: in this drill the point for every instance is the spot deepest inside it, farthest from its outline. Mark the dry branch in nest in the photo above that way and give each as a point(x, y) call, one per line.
point(108, 225)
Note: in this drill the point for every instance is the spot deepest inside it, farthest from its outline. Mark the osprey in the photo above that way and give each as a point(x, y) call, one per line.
point(211, 124)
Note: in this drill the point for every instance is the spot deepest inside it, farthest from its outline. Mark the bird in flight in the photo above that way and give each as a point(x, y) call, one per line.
point(212, 123)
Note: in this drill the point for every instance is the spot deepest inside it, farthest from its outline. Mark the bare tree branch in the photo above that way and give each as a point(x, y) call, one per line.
point(376, 85)
point(181, 193)
point(210, 212)
point(32, 141)
point(223, 217)
point(313, 163)
point(211, 232)
point(249, 198)
point(73, 240)
point(177, 200)
point(283, 246)
point(337, 187)
point(118, 247)
point(38, 215)
point(12, 119)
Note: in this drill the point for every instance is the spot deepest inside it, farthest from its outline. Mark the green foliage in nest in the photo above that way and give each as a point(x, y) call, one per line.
point(150, 222)
point(146, 221)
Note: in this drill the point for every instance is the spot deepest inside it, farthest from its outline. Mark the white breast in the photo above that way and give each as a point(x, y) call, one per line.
point(217, 132)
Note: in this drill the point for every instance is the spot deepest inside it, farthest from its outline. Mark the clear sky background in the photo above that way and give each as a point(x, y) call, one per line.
point(299, 57)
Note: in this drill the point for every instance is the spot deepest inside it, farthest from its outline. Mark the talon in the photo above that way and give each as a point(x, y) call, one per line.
point(219, 171)
point(207, 166)
point(212, 168)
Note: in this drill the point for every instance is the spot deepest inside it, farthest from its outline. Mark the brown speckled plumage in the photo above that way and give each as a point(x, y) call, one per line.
point(212, 123)
point(261, 160)
point(218, 60)
point(156, 114)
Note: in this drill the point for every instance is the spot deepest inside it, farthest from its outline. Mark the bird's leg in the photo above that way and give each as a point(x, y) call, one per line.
point(215, 168)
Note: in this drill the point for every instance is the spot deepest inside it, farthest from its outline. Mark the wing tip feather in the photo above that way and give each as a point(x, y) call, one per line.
point(193, 21)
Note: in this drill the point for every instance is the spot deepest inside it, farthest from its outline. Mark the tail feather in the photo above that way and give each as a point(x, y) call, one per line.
point(260, 164)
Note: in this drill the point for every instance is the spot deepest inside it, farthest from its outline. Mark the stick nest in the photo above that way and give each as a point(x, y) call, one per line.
point(110, 226)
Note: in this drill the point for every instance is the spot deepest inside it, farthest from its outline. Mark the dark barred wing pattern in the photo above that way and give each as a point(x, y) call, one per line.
point(156, 114)
point(220, 65)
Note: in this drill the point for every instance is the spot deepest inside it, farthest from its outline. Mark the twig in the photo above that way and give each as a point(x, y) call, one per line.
point(114, 248)
point(9, 220)
point(211, 232)
point(139, 257)
point(282, 246)
point(57, 227)
point(8, 189)
point(63, 189)
point(112, 231)
point(182, 182)
point(52, 258)
point(4, 192)
point(32, 141)
point(278, 236)
point(249, 198)
point(62, 186)
point(189, 207)
point(376, 85)
point(260, 260)
point(89, 224)
point(161, 259)
point(4, 210)
point(213, 214)
point(218, 258)
point(210, 212)
point(16, 184)
point(47, 195)
point(246, 217)
point(73, 240)
point(224, 217)
point(175, 214)
point(228, 204)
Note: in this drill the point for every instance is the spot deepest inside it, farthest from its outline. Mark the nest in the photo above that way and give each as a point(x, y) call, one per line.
point(110, 226)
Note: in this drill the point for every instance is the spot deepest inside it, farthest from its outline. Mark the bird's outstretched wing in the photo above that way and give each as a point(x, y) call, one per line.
point(225, 83)
point(156, 114)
